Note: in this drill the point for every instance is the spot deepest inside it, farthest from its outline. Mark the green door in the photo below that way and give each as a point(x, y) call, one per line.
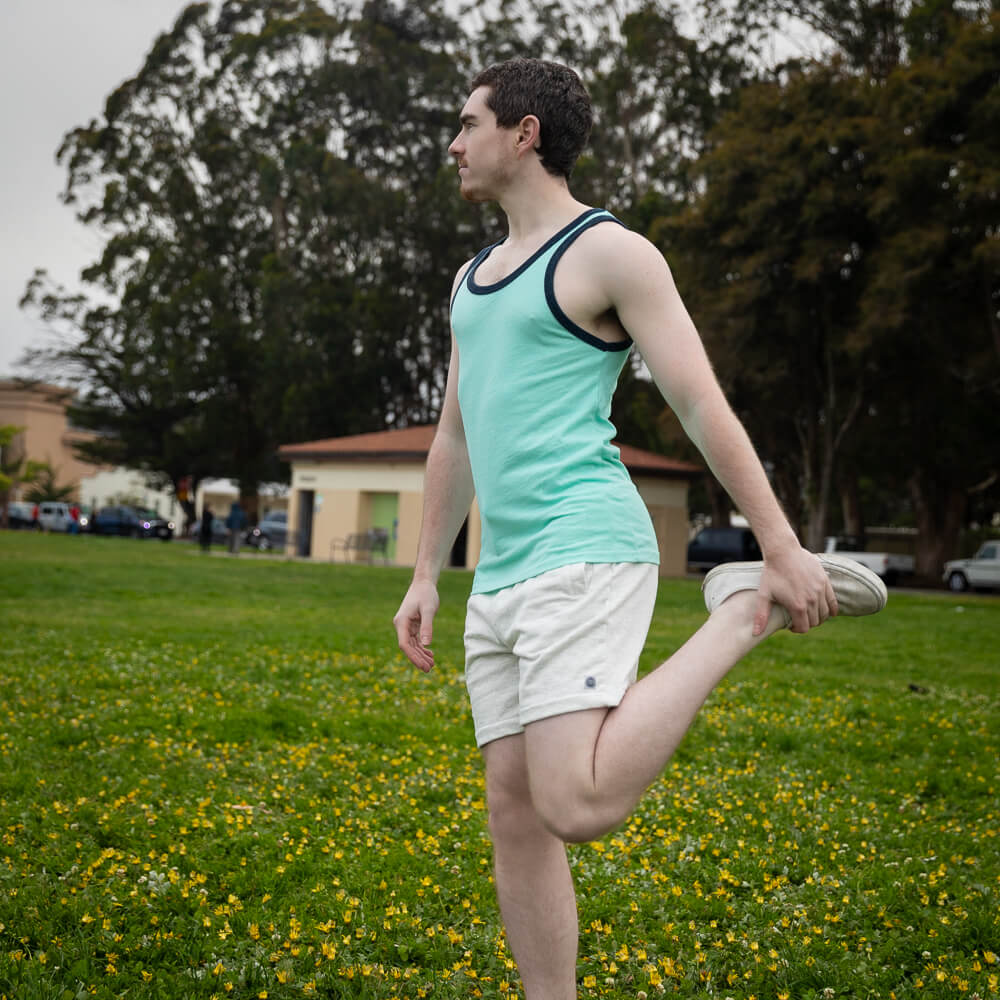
point(385, 515)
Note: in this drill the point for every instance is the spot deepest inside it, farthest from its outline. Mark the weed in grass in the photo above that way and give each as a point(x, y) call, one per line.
point(218, 779)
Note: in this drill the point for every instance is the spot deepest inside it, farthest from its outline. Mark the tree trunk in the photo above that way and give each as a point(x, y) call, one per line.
point(828, 438)
point(850, 504)
point(816, 523)
point(786, 486)
point(940, 510)
point(719, 501)
point(250, 502)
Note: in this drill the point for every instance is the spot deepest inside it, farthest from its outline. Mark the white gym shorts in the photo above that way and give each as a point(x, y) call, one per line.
point(563, 641)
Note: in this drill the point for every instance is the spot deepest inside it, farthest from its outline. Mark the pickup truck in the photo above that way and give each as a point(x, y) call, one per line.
point(982, 570)
point(889, 565)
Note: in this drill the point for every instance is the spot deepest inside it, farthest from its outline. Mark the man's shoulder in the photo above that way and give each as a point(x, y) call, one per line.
point(608, 230)
point(613, 247)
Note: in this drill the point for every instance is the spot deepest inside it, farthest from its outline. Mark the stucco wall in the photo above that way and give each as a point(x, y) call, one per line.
point(47, 436)
point(666, 501)
point(343, 497)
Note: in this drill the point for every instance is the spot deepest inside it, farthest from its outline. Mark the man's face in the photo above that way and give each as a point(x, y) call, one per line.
point(483, 150)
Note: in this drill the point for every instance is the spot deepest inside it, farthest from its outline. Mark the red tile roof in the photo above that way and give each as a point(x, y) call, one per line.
point(411, 444)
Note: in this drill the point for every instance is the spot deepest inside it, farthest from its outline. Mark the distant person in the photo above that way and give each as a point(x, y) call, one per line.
point(205, 529)
point(542, 323)
point(34, 518)
point(236, 522)
point(74, 520)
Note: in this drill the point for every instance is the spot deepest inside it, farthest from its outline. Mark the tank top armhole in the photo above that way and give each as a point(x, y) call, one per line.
point(550, 293)
point(467, 273)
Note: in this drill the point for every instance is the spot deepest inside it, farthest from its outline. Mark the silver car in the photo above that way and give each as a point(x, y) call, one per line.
point(270, 533)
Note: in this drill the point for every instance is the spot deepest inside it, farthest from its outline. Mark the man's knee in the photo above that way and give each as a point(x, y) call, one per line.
point(575, 816)
point(560, 753)
point(555, 801)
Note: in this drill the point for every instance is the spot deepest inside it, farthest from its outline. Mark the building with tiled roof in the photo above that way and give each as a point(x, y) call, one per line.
point(349, 487)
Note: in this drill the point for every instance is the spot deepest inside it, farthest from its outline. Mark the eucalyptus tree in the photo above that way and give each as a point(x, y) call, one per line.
point(932, 306)
point(775, 255)
point(269, 187)
point(843, 260)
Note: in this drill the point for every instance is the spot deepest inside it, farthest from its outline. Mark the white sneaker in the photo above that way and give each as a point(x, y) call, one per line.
point(858, 590)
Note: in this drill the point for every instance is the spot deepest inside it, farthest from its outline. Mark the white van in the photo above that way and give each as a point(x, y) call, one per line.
point(54, 516)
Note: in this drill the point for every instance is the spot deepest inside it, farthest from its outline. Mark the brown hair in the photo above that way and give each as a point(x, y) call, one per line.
point(551, 92)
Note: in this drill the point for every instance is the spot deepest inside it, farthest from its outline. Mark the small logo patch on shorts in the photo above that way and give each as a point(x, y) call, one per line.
point(591, 682)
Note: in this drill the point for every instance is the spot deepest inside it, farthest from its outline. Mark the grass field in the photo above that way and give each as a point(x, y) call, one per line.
point(218, 778)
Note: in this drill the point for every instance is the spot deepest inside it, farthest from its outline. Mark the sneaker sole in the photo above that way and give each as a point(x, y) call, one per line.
point(858, 590)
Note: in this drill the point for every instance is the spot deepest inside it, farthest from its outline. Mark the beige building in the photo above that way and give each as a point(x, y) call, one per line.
point(40, 409)
point(350, 486)
point(47, 436)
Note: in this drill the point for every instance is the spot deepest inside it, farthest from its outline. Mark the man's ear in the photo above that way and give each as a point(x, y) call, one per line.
point(528, 134)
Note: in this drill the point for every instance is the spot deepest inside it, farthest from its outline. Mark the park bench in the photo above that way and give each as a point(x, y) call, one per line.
point(369, 543)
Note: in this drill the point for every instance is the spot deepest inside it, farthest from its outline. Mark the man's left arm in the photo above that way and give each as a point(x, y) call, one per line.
point(642, 291)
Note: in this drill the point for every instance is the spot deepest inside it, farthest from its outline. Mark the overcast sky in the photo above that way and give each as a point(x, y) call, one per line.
point(59, 60)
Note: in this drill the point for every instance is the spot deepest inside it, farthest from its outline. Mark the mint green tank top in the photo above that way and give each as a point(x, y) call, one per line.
point(535, 391)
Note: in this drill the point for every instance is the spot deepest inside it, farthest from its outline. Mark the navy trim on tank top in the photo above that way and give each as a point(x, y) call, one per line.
point(550, 294)
point(477, 289)
point(472, 266)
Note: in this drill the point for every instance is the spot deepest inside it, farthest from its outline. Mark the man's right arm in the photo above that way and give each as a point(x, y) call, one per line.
point(448, 494)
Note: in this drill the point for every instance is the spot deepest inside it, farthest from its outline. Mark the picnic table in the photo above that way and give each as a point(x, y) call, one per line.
point(369, 543)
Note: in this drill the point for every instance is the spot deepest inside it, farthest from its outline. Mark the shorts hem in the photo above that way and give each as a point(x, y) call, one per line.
point(497, 731)
point(577, 703)
point(536, 713)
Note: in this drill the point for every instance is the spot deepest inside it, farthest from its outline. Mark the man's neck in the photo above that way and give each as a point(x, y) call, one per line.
point(537, 208)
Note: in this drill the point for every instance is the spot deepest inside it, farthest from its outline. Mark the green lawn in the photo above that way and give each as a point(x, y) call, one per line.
point(219, 778)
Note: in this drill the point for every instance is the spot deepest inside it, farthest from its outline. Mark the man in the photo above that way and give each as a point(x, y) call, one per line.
point(236, 522)
point(564, 589)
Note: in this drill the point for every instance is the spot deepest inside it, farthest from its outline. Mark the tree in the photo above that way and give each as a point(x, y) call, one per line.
point(774, 256)
point(279, 247)
point(843, 261)
point(281, 221)
point(16, 469)
point(44, 487)
point(932, 307)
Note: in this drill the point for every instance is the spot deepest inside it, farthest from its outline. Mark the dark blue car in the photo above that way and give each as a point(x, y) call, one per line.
point(131, 523)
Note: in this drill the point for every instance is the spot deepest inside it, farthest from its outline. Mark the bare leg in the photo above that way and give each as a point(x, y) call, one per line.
point(588, 769)
point(533, 881)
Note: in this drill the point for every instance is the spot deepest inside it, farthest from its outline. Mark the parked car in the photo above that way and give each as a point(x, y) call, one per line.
point(889, 565)
point(53, 516)
point(270, 533)
point(19, 515)
point(154, 526)
point(131, 523)
point(712, 546)
point(982, 570)
point(116, 521)
point(220, 533)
